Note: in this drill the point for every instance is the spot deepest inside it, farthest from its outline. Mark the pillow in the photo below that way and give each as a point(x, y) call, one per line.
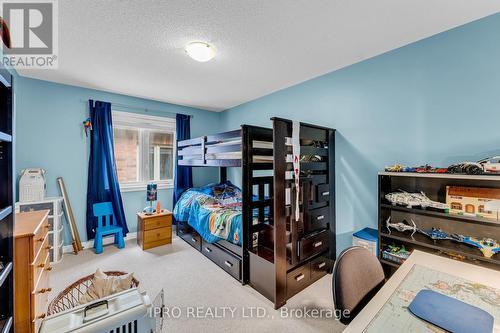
point(104, 285)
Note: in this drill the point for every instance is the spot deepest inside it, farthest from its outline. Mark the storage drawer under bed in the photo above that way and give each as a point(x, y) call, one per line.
point(226, 261)
point(298, 279)
point(189, 235)
point(320, 266)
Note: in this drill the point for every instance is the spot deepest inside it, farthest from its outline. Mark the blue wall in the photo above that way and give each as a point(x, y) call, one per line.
point(436, 101)
point(50, 135)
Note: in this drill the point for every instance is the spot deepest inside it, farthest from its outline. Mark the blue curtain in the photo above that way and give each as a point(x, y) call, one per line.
point(102, 184)
point(183, 175)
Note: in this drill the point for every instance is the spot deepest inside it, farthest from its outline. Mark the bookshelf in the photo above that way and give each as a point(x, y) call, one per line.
point(6, 203)
point(434, 186)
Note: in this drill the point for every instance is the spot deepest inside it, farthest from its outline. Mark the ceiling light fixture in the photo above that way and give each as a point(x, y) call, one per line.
point(200, 51)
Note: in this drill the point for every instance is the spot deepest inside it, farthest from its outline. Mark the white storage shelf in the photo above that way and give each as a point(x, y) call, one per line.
point(56, 235)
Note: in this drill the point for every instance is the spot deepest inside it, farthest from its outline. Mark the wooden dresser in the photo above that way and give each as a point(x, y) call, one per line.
point(154, 230)
point(31, 270)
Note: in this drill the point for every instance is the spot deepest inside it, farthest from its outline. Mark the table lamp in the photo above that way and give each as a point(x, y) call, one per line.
point(151, 195)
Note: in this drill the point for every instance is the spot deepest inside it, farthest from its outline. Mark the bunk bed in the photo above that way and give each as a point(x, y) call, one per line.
point(280, 249)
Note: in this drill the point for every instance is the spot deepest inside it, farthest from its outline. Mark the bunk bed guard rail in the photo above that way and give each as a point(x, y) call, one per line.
point(219, 150)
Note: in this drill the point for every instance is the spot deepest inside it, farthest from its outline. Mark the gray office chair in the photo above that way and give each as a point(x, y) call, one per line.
point(357, 277)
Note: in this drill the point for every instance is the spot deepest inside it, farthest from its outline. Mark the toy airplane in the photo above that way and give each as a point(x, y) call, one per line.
point(437, 234)
point(487, 246)
point(401, 226)
point(411, 200)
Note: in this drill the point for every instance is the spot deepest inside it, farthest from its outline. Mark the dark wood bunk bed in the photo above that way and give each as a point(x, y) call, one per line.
point(279, 256)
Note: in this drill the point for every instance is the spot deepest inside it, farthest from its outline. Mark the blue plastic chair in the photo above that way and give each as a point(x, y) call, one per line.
point(106, 227)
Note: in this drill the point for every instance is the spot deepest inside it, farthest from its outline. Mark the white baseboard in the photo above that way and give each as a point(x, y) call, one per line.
point(90, 244)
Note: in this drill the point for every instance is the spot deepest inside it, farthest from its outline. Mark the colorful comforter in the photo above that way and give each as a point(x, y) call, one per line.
point(214, 211)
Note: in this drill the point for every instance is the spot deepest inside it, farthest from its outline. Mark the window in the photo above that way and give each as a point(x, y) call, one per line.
point(481, 210)
point(144, 150)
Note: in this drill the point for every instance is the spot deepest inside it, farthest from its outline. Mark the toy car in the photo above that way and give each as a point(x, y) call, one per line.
point(491, 164)
point(469, 168)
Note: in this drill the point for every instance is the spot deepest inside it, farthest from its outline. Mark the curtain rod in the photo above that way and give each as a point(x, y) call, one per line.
point(130, 107)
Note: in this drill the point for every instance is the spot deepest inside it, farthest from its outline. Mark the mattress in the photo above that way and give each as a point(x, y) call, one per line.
point(214, 211)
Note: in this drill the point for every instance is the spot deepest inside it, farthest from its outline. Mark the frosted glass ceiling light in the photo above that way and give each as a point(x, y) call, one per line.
point(200, 51)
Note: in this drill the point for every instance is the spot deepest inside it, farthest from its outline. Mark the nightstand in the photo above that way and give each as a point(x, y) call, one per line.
point(154, 230)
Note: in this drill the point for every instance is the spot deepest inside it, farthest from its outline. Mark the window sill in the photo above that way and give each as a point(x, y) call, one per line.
point(139, 187)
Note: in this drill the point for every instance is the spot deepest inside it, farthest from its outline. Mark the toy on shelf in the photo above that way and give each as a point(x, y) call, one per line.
point(411, 200)
point(454, 256)
point(469, 168)
point(487, 246)
point(396, 254)
point(436, 234)
point(473, 201)
point(429, 169)
point(420, 169)
point(402, 226)
point(399, 168)
point(486, 165)
point(87, 126)
point(491, 164)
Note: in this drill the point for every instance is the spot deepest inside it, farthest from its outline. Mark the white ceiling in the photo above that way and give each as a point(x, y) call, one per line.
point(136, 47)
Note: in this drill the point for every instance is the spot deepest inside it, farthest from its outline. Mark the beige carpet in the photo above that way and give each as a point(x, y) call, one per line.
point(191, 281)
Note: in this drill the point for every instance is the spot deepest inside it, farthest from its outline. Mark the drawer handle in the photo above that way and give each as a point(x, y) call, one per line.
point(320, 217)
point(323, 264)
point(228, 264)
point(158, 234)
point(40, 239)
point(193, 239)
point(300, 277)
point(43, 291)
point(317, 244)
point(325, 193)
point(47, 226)
point(41, 266)
point(47, 248)
point(48, 268)
point(42, 316)
point(208, 249)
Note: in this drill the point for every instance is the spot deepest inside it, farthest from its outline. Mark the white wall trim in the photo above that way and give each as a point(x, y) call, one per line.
point(90, 244)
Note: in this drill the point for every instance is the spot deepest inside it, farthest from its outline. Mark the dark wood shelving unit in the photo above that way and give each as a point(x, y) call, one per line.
point(456, 217)
point(6, 203)
point(442, 245)
point(434, 186)
point(389, 263)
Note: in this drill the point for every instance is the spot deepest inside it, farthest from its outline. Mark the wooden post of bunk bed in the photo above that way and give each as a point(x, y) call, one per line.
point(331, 179)
point(247, 199)
point(222, 174)
point(280, 261)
